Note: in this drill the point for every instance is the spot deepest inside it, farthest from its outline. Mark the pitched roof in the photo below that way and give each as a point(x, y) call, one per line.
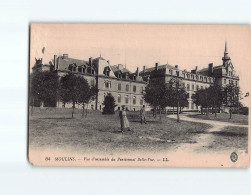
point(63, 63)
point(123, 70)
point(160, 67)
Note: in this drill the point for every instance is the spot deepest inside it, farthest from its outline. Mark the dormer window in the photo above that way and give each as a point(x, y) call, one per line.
point(119, 75)
point(72, 67)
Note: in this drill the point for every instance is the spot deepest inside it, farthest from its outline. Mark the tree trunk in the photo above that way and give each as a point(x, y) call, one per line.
point(215, 113)
point(83, 113)
point(86, 109)
point(159, 113)
point(73, 107)
point(201, 110)
point(230, 112)
point(178, 116)
point(180, 110)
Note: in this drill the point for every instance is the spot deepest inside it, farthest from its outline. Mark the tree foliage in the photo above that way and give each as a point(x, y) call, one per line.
point(75, 89)
point(231, 97)
point(43, 88)
point(110, 104)
point(177, 96)
point(156, 94)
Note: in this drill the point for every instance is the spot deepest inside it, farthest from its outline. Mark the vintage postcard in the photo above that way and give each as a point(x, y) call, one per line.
point(141, 95)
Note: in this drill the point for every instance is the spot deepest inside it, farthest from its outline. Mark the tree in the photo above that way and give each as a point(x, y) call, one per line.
point(215, 98)
point(109, 104)
point(156, 94)
point(87, 94)
point(202, 98)
point(177, 95)
point(71, 87)
point(44, 88)
point(231, 97)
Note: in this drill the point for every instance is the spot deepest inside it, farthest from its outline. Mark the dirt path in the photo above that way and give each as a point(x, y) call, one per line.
point(205, 139)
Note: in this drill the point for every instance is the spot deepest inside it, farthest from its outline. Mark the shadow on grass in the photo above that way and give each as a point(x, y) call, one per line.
point(229, 134)
point(57, 118)
point(137, 121)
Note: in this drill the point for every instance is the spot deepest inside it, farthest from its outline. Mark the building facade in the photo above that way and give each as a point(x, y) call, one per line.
point(127, 87)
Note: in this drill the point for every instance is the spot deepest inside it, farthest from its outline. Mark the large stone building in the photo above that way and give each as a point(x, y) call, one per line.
point(127, 87)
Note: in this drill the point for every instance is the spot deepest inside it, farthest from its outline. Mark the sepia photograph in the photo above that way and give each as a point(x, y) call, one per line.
point(139, 95)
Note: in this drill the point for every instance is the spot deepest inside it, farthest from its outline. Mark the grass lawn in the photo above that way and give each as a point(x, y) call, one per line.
point(53, 128)
point(230, 138)
point(236, 118)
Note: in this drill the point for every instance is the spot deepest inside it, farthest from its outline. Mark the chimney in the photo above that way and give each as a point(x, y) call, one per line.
point(144, 70)
point(90, 61)
point(196, 67)
point(137, 71)
point(120, 66)
point(210, 69)
point(65, 56)
point(156, 66)
point(176, 66)
point(55, 62)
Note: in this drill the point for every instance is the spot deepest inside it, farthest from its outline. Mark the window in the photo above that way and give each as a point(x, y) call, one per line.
point(79, 69)
point(192, 106)
point(134, 88)
point(188, 87)
point(134, 99)
point(119, 98)
point(201, 78)
point(141, 102)
point(119, 86)
point(142, 89)
point(92, 82)
point(192, 87)
point(225, 81)
point(197, 87)
point(171, 72)
point(127, 87)
point(107, 84)
point(177, 73)
point(236, 83)
point(126, 99)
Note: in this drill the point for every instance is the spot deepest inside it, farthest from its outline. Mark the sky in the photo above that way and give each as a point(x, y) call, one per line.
point(137, 45)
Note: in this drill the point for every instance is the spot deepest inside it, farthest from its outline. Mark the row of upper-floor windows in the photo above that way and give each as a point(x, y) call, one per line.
point(192, 87)
point(230, 82)
point(108, 84)
point(193, 77)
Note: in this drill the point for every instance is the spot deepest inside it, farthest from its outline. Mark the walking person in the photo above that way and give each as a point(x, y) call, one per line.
point(143, 115)
point(123, 120)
